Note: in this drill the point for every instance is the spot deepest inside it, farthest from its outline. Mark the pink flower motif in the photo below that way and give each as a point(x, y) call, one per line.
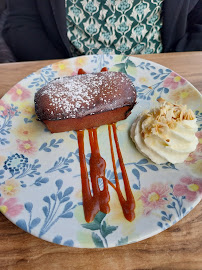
point(10, 188)
point(199, 134)
point(173, 81)
point(4, 108)
point(189, 187)
point(153, 197)
point(18, 92)
point(197, 154)
point(199, 146)
point(10, 207)
point(192, 158)
point(26, 147)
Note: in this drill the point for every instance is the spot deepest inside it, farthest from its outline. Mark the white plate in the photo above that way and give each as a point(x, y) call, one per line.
point(40, 186)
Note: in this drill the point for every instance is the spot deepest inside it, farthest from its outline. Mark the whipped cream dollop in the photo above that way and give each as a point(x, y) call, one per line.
point(166, 133)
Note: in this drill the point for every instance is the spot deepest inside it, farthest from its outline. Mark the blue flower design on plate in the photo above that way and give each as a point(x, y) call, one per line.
point(15, 163)
point(18, 165)
point(53, 144)
point(58, 205)
point(46, 75)
point(6, 123)
point(59, 240)
point(174, 207)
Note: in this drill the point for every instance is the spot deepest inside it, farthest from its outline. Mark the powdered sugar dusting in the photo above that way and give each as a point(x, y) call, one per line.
point(77, 96)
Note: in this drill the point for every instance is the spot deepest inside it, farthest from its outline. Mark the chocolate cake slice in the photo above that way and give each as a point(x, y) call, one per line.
point(85, 101)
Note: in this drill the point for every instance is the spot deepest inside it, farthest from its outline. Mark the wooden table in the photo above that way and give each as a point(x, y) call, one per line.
point(179, 247)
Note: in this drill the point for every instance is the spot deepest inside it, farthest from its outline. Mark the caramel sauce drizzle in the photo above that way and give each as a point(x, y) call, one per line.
point(81, 71)
point(104, 69)
point(98, 200)
point(128, 205)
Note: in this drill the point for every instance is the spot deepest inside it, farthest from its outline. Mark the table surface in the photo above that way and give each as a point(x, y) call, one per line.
point(179, 247)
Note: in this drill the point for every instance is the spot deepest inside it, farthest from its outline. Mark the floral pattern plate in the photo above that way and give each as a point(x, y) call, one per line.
point(40, 186)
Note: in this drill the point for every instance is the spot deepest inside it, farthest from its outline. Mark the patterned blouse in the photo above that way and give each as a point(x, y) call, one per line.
point(114, 26)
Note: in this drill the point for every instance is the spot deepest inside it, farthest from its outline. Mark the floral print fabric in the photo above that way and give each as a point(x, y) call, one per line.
point(122, 26)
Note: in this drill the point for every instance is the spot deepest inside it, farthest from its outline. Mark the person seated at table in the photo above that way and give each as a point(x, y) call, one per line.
point(50, 29)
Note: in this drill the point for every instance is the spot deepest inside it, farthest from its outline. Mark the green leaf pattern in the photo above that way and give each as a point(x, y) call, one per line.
point(103, 230)
point(123, 26)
